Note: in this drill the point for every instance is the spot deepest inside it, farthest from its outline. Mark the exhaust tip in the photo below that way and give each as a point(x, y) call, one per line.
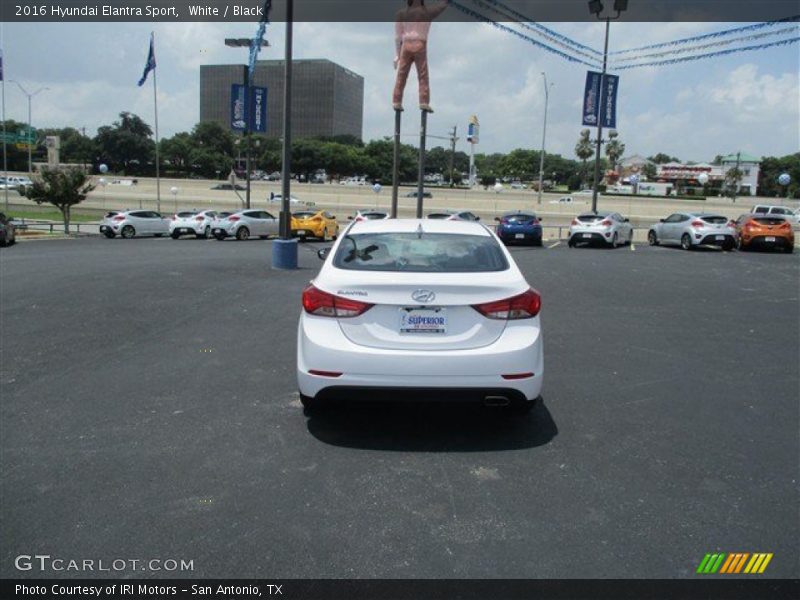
point(496, 401)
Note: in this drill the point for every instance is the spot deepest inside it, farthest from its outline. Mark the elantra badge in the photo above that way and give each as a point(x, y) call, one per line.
point(423, 296)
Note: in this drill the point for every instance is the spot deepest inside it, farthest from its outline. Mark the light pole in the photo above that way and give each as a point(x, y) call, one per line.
point(596, 7)
point(544, 134)
point(30, 96)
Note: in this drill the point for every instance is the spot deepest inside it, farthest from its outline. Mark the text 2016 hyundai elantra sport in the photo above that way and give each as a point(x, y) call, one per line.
point(420, 309)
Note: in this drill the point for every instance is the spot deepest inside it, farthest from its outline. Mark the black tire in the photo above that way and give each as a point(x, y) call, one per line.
point(789, 249)
point(158, 234)
point(220, 236)
point(615, 240)
point(128, 232)
point(739, 245)
point(175, 235)
point(539, 242)
point(310, 405)
point(652, 238)
point(686, 242)
point(110, 234)
point(242, 234)
point(728, 245)
point(521, 408)
point(570, 243)
point(206, 232)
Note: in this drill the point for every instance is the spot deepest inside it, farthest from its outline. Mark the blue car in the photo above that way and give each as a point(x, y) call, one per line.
point(519, 226)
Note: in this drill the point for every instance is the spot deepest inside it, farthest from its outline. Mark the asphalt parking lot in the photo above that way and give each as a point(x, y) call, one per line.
point(149, 410)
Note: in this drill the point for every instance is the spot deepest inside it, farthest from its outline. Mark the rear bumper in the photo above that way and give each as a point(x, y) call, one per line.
point(416, 394)
point(322, 346)
point(761, 241)
point(712, 239)
point(590, 237)
point(527, 236)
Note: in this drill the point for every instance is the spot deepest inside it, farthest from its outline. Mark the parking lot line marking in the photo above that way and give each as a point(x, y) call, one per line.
point(554, 245)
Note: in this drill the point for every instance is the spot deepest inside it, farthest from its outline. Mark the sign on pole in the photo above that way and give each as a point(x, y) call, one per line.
point(473, 130)
point(600, 100)
point(238, 107)
point(258, 115)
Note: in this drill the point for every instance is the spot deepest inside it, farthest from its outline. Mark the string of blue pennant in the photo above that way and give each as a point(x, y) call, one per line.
point(523, 19)
point(706, 36)
point(673, 61)
point(488, 5)
point(480, 17)
point(748, 38)
point(255, 45)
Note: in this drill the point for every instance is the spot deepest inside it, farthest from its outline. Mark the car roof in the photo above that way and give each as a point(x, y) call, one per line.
point(412, 225)
point(704, 215)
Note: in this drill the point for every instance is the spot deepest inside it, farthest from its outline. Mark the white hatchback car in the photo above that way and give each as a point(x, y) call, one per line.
point(610, 228)
point(133, 223)
point(420, 309)
point(192, 222)
point(246, 224)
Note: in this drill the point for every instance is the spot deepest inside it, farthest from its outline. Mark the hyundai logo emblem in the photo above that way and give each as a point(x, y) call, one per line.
point(423, 296)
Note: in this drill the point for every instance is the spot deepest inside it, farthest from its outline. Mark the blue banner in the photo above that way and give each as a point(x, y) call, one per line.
point(608, 101)
point(258, 113)
point(591, 98)
point(238, 107)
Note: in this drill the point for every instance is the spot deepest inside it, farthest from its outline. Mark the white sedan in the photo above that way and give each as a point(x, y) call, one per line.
point(420, 309)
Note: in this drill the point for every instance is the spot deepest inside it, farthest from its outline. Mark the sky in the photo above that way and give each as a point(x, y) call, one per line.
point(748, 102)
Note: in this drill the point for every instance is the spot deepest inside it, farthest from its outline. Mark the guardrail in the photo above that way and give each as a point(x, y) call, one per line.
point(53, 227)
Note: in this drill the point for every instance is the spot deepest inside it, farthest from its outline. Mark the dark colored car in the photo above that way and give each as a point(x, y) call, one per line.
point(228, 187)
point(522, 227)
point(7, 231)
point(414, 195)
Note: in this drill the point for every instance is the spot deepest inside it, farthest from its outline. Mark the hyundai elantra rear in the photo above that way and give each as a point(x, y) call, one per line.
point(413, 309)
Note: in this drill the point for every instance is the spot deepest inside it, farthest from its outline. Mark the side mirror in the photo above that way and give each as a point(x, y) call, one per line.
point(540, 218)
point(477, 218)
point(323, 253)
point(662, 220)
point(497, 219)
point(626, 220)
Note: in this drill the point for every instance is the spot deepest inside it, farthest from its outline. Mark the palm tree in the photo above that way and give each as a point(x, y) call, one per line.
point(584, 151)
point(614, 149)
point(61, 188)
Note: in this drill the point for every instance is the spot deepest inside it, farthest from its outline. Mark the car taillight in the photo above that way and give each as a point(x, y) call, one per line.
point(606, 223)
point(785, 225)
point(119, 218)
point(199, 218)
point(323, 304)
point(233, 219)
point(698, 224)
point(317, 219)
point(534, 222)
point(524, 306)
point(732, 223)
point(576, 222)
point(503, 221)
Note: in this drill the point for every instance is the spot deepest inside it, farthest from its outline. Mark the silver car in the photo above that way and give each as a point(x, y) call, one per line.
point(192, 222)
point(609, 228)
point(690, 230)
point(246, 224)
point(131, 223)
point(453, 215)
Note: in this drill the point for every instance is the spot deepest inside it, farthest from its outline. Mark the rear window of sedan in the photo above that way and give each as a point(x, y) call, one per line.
point(591, 218)
point(304, 215)
point(186, 215)
point(769, 220)
point(440, 215)
point(373, 216)
point(429, 253)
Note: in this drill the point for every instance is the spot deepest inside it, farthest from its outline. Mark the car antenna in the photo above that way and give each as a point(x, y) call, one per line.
point(419, 231)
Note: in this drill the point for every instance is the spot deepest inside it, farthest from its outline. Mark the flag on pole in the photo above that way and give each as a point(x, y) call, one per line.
point(151, 61)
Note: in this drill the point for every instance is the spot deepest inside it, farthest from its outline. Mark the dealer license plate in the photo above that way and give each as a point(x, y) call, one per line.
point(769, 239)
point(587, 235)
point(720, 237)
point(423, 320)
point(520, 236)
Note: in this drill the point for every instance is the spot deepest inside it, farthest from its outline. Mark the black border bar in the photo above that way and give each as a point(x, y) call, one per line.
point(701, 588)
point(173, 11)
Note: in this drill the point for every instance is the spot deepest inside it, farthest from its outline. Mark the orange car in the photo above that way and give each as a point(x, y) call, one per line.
point(320, 224)
point(765, 231)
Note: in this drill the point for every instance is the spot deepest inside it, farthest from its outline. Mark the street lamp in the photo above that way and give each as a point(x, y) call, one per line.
point(246, 43)
point(544, 133)
point(595, 8)
point(30, 96)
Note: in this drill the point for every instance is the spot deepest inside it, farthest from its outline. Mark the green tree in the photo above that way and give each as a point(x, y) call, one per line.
point(520, 164)
point(650, 171)
point(584, 150)
point(615, 149)
point(126, 145)
point(661, 158)
point(177, 151)
point(75, 146)
point(63, 188)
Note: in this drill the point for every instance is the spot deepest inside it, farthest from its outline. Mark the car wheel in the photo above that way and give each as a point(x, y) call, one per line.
point(326, 236)
point(539, 242)
point(206, 232)
point(174, 235)
point(220, 236)
point(128, 232)
point(310, 404)
point(686, 242)
point(615, 240)
point(158, 234)
point(110, 234)
point(521, 408)
point(652, 239)
point(242, 234)
point(728, 245)
point(570, 243)
point(789, 249)
point(739, 245)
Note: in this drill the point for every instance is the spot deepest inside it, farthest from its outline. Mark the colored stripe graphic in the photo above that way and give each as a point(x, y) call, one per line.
point(734, 563)
point(765, 563)
point(703, 563)
point(727, 564)
point(713, 567)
